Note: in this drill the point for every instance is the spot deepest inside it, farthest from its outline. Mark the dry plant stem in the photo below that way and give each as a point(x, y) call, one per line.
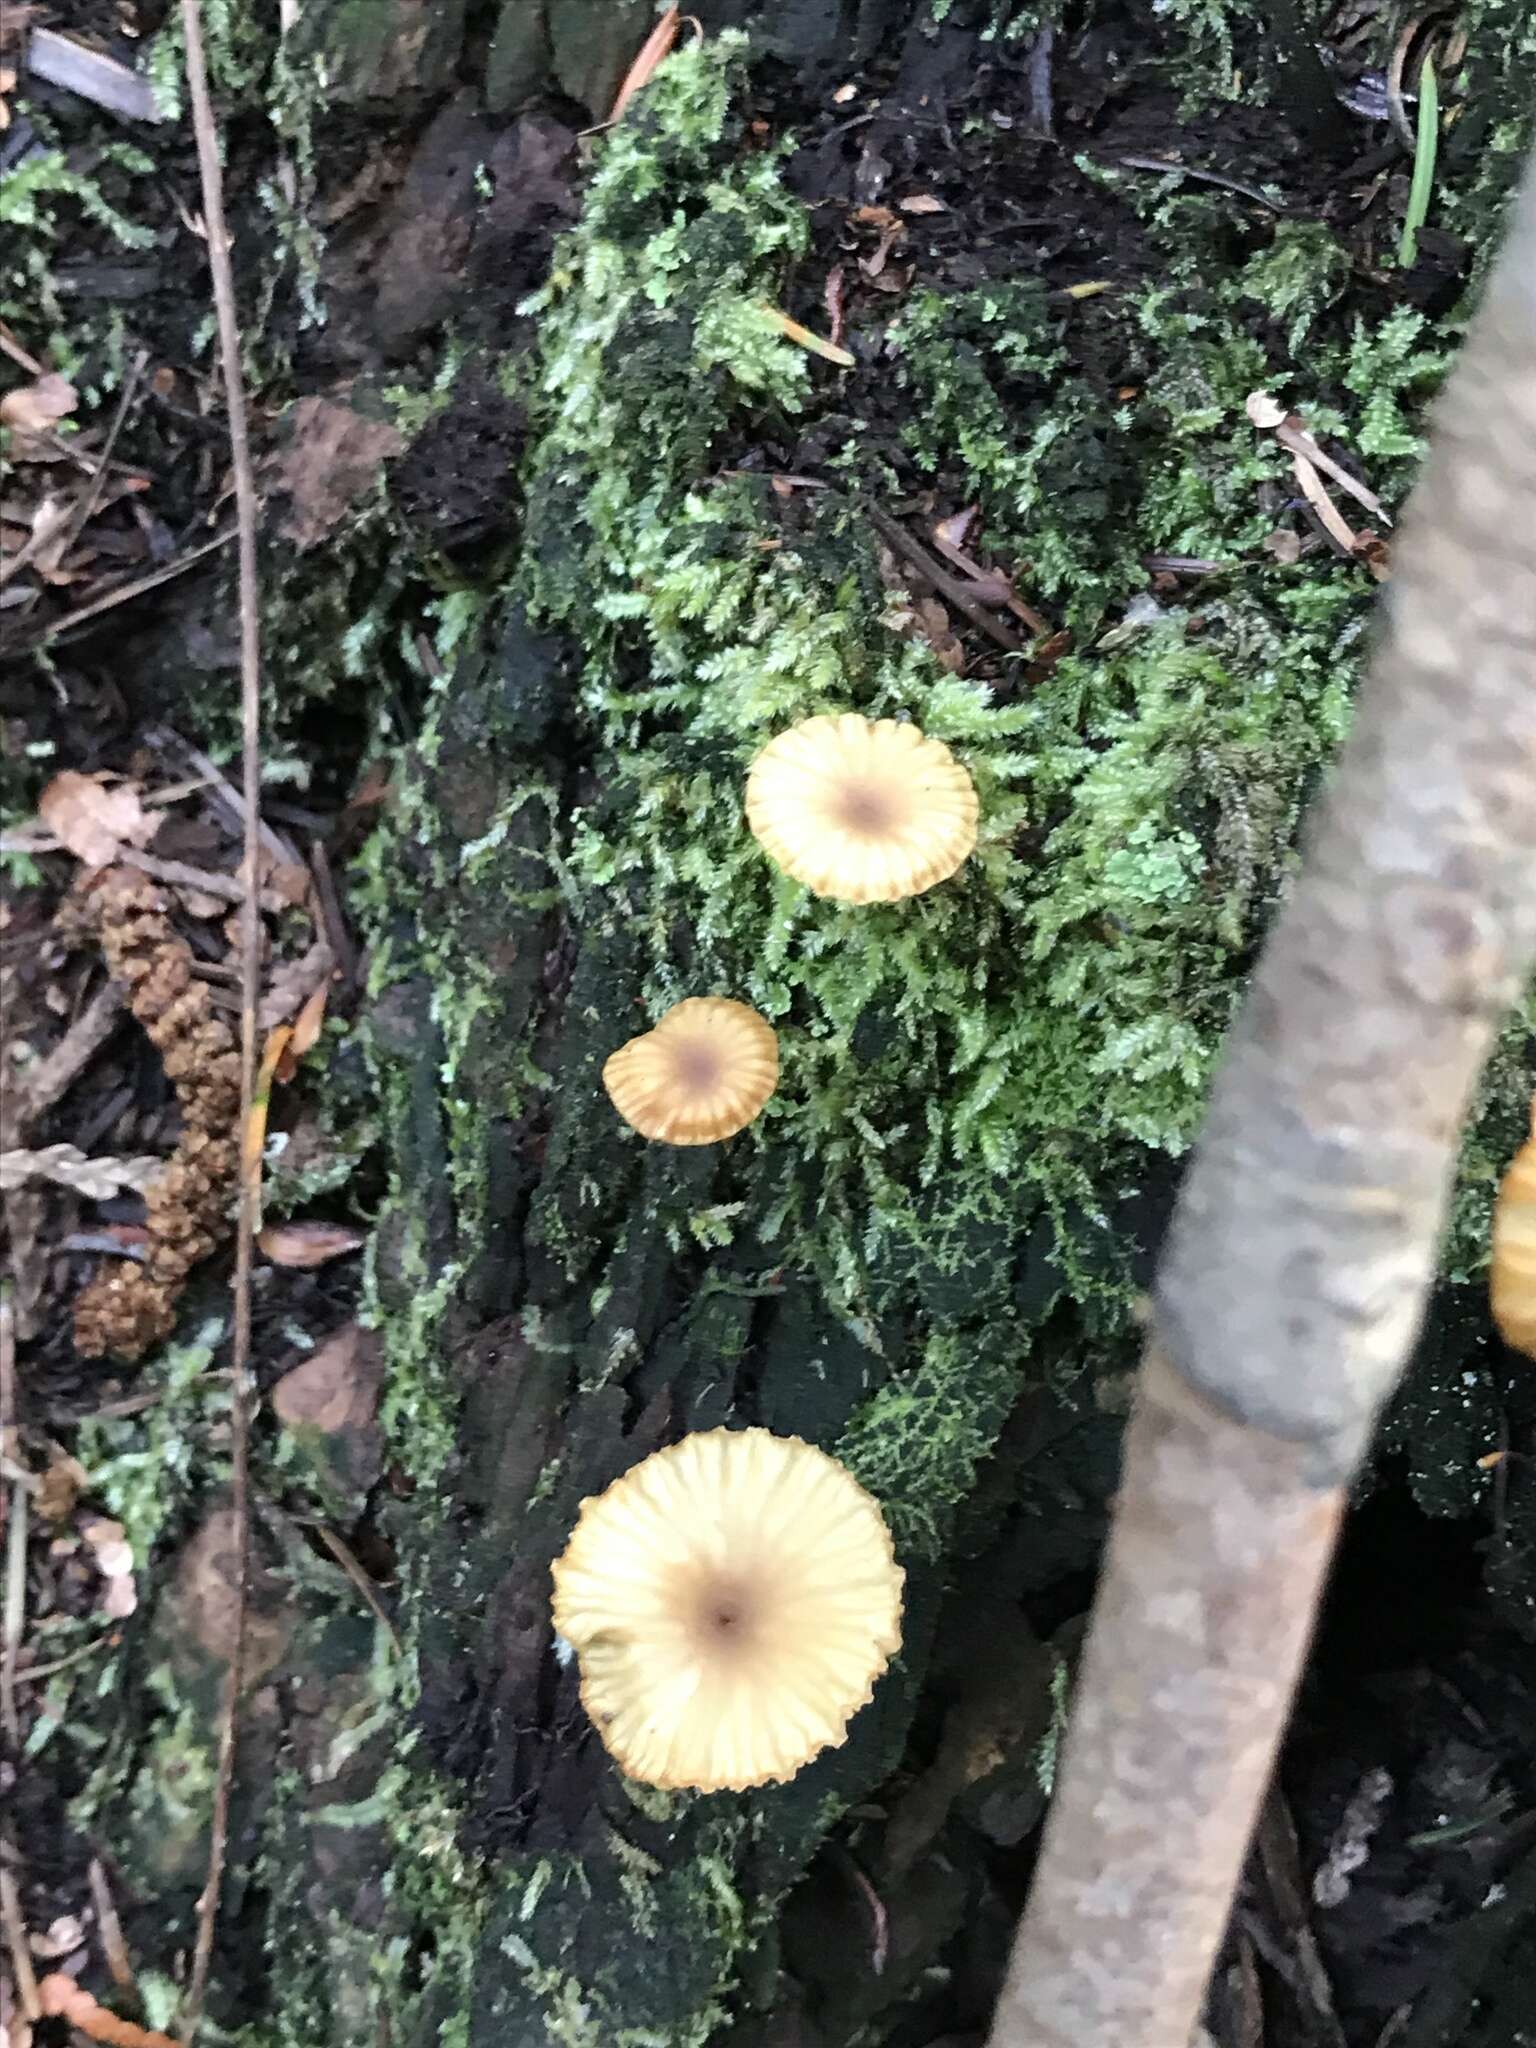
point(16, 1932)
point(17, 1519)
point(245, 1229)
point(48, 634)
point(912, 551)
point(113, 1946)
point(1305, 1235)
point(88, 502)
point(59, 1069)
point(9, 1441)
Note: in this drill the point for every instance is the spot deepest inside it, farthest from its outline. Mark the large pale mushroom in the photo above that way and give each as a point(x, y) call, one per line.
point(865, 811)
point(731, 1602)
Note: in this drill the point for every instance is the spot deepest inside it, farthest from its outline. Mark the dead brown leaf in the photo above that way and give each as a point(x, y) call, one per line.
point(38, 404)
point(60, 1487)
point(287, 879)
point(874, 264)
point(291, 988)
point(309, 1244)
point(332, 456)
point(955, 531)
point(936, 630)
point(337, 1386)
point(307, 1025)
point(205, 1603)
point(96, 821)
point(335, 1396)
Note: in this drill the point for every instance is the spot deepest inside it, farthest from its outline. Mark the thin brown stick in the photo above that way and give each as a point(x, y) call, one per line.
point(18, 1518)
point(181, 874)
point(1304, 1238)
point(113, 1946)
point(58, 1070)
point(9, 1445)
point(360, 1579)
point(92, 497)
point(250, 955)
point(16, 1933)
point(46, 635)
point(222, 794)
point(896, 536)
point(13, 348)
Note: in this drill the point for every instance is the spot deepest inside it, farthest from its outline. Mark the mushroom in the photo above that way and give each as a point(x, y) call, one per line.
point(701, 1073)
point(866, 811)
point(731, 1602)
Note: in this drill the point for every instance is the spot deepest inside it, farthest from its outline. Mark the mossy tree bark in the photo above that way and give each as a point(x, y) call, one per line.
point(924, 1257)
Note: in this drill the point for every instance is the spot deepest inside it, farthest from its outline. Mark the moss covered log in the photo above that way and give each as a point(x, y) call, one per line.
point(926, 1255)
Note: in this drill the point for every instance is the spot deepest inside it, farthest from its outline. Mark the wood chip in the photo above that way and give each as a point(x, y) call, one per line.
point(90, 74)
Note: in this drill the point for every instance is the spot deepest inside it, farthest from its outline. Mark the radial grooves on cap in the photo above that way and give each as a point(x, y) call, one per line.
point(701, 1074)
point(731, 1601)
point(864, 811)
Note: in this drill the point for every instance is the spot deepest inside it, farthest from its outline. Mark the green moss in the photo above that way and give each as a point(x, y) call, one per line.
point(40, 200)
point(142, 1469)
point(979, 1086)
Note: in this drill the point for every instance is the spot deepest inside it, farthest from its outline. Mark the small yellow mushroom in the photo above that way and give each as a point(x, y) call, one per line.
point(865, 811)
point(701, 1074)
point(1512, 1275)
point(731, 1602)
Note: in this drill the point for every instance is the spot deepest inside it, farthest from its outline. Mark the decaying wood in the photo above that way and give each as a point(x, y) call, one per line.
point(1305, 1236)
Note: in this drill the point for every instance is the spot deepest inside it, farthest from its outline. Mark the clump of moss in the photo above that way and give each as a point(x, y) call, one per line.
point(975, 1085)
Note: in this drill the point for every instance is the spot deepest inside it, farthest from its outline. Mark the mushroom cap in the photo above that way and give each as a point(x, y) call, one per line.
point(867, 811)
point(701, 1073)
point(731, 1602)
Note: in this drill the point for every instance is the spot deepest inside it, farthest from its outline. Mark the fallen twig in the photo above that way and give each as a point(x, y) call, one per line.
point(250, 955)
point(91, 74)
point(180, 874)
point(10, 346)
point(68, 1167)
point(58, 1070)
point(349, 1565)
point(18, 1517)
point(8, 1435)
point(1157, 163)
point(933, 571)
point(16, 1932)
point(88, 503)
point(113, 1946)
point(44, 636)
point(223, 796)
